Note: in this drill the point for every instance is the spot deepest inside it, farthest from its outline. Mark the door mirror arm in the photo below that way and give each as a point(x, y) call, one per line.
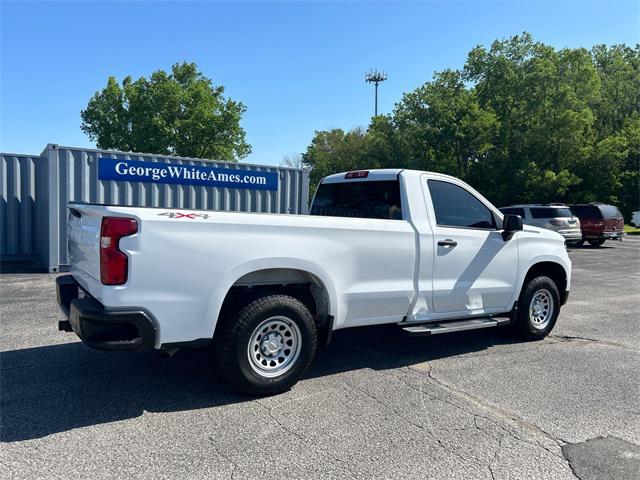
point(510, 225)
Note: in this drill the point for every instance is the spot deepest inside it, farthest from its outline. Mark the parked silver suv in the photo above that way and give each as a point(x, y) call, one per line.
point(552, 216)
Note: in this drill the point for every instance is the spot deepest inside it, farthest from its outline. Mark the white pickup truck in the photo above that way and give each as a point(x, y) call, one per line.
point(421, 250)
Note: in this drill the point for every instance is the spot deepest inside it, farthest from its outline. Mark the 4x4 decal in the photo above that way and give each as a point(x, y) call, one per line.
point(192, 216)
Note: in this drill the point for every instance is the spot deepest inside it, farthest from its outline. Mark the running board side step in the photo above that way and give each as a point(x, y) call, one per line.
point(436, 328)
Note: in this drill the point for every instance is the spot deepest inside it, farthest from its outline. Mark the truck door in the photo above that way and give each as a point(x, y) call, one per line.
point(474, 269)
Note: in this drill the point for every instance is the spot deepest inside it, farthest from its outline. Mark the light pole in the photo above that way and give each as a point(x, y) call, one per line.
point(375, 77)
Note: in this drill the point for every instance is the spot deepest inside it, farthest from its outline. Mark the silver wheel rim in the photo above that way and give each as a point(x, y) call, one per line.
point(541, 309)
point(274, 346)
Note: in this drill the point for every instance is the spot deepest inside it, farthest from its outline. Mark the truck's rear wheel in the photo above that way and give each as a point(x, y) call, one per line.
point(596, 242)
point(538, 308)
point(269, 346)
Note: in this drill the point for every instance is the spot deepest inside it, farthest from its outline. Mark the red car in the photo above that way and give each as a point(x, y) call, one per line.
point(599, 222)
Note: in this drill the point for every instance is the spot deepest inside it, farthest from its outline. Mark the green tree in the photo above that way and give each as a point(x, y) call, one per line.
point(618, 127)
point(542, 100)
point(335, 151)
point(442, 126)
point(178, 113)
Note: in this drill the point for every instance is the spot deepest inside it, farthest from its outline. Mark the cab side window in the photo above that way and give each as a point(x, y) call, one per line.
point(455, 207)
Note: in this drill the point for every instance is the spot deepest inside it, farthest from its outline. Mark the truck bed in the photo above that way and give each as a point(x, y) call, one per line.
point(182, 263)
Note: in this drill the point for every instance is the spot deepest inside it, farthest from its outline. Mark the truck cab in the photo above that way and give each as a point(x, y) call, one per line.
point(468, 264)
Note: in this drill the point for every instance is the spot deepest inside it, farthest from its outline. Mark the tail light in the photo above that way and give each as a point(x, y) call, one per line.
point(114, 263)
point(357, 174)
point(556, 222)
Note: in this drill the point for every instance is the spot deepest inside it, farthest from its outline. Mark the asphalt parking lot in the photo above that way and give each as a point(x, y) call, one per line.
point(376, 404)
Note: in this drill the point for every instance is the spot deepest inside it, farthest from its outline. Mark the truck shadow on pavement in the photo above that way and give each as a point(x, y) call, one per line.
point(56, 388)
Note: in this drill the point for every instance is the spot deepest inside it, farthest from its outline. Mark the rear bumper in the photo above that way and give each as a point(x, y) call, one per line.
point(99, 327)
point(572, 236)
point(617, 235)
point(613, 235)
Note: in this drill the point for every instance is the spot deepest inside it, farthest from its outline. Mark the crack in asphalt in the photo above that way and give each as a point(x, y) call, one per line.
point(606, 343)
point(234, 465)
point(328, 455)
point(508, 418)
point(409, 421)
point(437, 437)
point(573, 471)
point(277, 420)
point(557, 457)
point(551, 340)
point(493, 460)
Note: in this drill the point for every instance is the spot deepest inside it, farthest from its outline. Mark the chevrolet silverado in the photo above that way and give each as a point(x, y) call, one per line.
point(421, 250)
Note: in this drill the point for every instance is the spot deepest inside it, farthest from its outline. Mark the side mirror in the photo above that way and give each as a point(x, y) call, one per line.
point(510, 225)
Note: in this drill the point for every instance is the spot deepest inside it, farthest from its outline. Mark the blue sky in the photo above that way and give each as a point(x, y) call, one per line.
point(297, 66)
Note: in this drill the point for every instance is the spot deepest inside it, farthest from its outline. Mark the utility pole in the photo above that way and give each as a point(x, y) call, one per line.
point(376, 78)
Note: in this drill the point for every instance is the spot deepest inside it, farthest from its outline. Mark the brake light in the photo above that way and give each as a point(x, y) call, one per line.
point(114, 263)
point(357, 174)
point(557, 223)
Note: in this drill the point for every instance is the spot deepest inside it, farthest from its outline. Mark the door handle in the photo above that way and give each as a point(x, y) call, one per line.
point(447, 243)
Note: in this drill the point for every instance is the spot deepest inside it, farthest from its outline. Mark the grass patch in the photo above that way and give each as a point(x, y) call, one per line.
point(631, 229)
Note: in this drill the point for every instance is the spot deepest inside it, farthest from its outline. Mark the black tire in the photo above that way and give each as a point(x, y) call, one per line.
point(236, 335)
point(579, 243)
point(525, 323)
point(596, 243)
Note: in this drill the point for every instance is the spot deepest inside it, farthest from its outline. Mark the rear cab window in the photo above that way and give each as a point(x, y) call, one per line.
point(360, 199)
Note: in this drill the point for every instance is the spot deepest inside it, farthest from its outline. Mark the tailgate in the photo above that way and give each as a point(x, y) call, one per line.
point(614, 224)
point(83, 233)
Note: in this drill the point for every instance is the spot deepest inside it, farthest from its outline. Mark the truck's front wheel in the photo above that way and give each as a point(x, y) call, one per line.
point(269, 346)
point(538, 308)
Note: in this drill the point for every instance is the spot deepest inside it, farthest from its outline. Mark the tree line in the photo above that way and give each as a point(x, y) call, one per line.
point(522, 122)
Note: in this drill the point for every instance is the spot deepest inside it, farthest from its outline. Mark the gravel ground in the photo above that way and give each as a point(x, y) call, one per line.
point(376, 404)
